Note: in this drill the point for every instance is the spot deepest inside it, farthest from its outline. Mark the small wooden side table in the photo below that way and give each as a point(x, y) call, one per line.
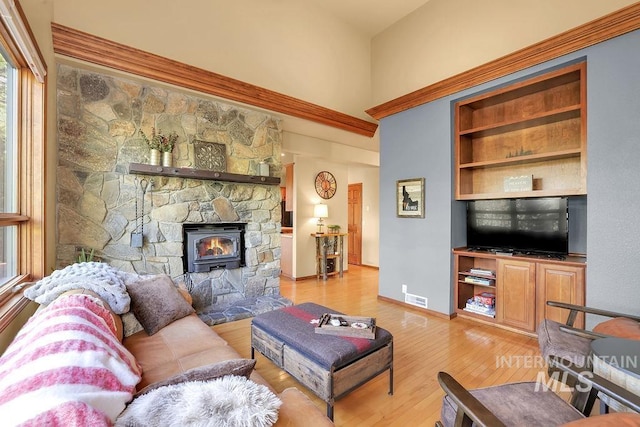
point(329, 246)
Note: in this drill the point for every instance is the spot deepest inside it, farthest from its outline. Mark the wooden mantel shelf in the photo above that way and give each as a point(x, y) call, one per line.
point(145, 169)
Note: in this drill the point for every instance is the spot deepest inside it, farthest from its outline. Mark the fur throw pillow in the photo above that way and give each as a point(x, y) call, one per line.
point(156, 302)
point(230, 401)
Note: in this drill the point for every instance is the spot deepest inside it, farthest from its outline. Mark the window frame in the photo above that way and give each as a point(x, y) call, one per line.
point(30, 218)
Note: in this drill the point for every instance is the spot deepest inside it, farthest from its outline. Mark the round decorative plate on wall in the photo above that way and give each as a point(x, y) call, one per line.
point(326, 184)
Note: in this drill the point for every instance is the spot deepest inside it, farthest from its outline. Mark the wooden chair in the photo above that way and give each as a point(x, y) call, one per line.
point(574, 344)
point(528, 403)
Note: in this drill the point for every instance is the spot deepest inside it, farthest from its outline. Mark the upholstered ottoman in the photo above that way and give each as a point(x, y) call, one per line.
point(330, 366)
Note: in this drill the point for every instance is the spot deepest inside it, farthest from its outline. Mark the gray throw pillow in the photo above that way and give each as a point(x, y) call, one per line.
point(156, 302)
point(238, 367)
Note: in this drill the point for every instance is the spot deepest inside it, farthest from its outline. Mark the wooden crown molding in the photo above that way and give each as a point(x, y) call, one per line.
point(86, 47)
point(609, 26)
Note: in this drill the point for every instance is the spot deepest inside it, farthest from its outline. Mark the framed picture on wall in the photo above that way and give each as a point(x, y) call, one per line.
point(410, 198)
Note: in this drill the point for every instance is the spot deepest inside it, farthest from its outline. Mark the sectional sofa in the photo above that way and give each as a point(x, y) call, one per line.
point(78, 361)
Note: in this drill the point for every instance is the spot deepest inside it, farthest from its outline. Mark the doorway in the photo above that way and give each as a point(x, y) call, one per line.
point(354, 227)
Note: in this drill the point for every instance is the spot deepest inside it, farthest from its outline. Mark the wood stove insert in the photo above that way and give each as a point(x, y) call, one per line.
point(214, 245)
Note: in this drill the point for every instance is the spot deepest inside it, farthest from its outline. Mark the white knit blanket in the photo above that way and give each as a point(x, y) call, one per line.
point(99, 277)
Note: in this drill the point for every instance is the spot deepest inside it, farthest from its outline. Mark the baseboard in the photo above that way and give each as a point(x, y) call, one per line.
point(418, 309)
point(375, 267)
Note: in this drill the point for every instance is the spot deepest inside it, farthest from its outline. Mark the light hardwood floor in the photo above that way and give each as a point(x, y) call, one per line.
point(477, 355)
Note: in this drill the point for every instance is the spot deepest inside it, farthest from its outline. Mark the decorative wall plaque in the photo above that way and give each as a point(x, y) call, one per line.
point(518, 183)
point(210, 156)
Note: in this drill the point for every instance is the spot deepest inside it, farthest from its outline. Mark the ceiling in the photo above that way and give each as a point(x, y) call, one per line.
point(369, 16)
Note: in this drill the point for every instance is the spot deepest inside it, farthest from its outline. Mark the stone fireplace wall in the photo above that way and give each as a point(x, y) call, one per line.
point(99, 118)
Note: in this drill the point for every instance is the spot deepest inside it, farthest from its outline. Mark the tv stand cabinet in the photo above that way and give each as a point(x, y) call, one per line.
point(521, 284)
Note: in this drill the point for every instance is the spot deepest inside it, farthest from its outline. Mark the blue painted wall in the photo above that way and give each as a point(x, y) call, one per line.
point(613, 179)
point(418, 143)
point(417, 251)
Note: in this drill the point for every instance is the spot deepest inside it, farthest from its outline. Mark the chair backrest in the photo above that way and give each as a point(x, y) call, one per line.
point(587, 385)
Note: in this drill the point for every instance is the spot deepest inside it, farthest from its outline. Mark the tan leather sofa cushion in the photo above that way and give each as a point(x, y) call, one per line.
point(188, 343)
point(179, 346)
point(182, 345)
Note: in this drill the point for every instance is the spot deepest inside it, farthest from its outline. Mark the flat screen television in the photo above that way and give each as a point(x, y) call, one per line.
point(536, 225)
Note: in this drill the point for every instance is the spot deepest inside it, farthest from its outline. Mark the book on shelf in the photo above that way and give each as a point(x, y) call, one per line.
point(478, 280)
point(485, 299)
point(482, 272)
point(485, 311)
point(483, 303)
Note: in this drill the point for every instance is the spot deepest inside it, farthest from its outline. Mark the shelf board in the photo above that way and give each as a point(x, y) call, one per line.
point(547, 117)
point(466, 313)
point(541, 83)
point(479, 313)
point(477, 284)
point(145, 169)
point(563, 154)
point(518, 194)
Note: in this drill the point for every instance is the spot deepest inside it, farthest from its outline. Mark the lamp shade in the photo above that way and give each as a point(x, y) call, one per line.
point(320, 211)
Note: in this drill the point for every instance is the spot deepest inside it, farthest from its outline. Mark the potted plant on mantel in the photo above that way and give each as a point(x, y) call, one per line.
point(159, 143)
point(333, 229)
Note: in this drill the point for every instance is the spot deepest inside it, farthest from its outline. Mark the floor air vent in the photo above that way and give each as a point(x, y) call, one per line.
point(415, 300)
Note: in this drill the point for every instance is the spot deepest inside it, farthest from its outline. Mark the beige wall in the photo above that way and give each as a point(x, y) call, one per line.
point(305, 171)
point(294, 48)
point(360, 166)
point(446, 37)
point(284, 45)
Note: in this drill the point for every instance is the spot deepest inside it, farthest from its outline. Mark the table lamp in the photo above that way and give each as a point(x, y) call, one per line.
point(320, 211)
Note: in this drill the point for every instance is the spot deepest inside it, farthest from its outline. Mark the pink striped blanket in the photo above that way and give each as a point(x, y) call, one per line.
point(67, 368)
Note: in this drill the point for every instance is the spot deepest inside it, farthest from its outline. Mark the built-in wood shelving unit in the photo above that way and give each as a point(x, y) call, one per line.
point(533, 128)
point(145, 169)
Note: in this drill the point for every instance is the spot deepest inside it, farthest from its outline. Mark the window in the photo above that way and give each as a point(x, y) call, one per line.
point(22, 97)
point(8, 162)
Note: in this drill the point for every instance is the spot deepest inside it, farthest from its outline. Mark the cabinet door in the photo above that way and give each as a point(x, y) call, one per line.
point(562, 283)
point(286, 255)
point(515, 297)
